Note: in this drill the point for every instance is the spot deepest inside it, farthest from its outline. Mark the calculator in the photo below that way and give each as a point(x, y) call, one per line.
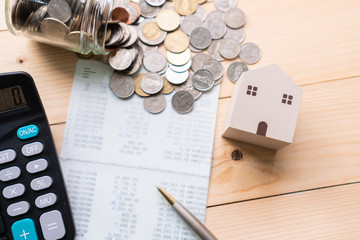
point(33, 201)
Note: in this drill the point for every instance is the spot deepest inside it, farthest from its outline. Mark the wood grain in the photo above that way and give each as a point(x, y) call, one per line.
point(327, 214)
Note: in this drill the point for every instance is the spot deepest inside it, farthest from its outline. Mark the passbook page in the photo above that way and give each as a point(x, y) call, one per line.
point(115, 153)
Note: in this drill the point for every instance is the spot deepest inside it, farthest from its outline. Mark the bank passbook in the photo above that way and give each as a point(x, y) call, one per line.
point(33, 201)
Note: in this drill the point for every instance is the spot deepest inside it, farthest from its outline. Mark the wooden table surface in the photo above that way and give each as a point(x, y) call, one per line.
point(307, 190)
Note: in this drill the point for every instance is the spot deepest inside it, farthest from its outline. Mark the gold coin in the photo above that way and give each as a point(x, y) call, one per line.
point(168, 87)
point(168, 20)
point(176, 41)
point(85, 56)
point(185, 7)
point(151, 31)
point(178, 59)
point(138, 89)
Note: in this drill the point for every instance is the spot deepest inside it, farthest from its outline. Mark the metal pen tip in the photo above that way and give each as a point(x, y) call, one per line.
point(171, 200)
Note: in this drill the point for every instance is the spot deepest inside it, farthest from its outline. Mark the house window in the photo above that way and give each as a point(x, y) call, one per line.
point(287, 99)
point(251, 90)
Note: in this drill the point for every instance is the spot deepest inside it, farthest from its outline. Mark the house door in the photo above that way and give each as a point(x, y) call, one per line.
point(262, 127)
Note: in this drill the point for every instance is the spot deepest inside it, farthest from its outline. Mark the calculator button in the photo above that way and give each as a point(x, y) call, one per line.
point(41, 183)
point(32, 149)
point(13, 191)
point(10, 173)
point(27, 132)
point(37, 165)
point(7, 156)
point(45, 200)
point(18, 208)
point(52, 225)
point(24, 230)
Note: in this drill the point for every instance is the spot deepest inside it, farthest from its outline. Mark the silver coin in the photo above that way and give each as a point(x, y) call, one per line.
point(121, 59)
point(155, 3)
point(250, 53)
point(200, 38)
point(237, 34)
point(122, 86)
point(147, 48)
point(182, 102)
point(155, 103)
point(181, 68)
point(198, 60)
point(151, 42)
point(224, 5)
point(135, 66)
point(195, 50)
point(229, 48)
point(53, 28)
point(235, 70)
point(59, 9)
point(34, 21)
point(189, 23)
point(217, 82)
point(215, 67)
point(154, 61)
point(151, 83)
point(213, 50)
point(234, 18)
point(187, 86)
point(200, 12)
point(215, 14)
point(176, 77)
point(203, 80)
point(148, 11)
point(133, 36)
point(216, 27)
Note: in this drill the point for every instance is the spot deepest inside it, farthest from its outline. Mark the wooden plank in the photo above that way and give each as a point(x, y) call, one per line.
point(327, 214)
point(325, 150)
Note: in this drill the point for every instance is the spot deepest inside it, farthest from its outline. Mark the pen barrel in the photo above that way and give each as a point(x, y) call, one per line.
point(198, 227)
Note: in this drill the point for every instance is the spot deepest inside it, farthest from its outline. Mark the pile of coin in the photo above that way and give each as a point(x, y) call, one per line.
point(154, 46)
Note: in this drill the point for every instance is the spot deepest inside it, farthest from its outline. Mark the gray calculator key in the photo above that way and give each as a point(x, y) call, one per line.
point(45, 200)
point(10, 173)
point(41, 183)
point(13, 191)
point(7, 155)
point(52, 225)
point(18, 208)
point(36, 165)
point(32, 149)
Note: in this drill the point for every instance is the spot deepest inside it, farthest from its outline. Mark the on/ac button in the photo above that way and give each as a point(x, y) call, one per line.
point(27, 132)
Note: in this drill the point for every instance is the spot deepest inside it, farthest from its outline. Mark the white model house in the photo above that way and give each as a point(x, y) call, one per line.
point(264, 108)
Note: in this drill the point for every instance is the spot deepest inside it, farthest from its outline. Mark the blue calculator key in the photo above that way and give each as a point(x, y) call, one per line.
point(24, 230)
point(28, 131)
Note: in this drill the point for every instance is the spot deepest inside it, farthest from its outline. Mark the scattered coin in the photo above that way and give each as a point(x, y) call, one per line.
point(119, 14)
point(250, 53)
point(122, 86)
point(179, 59)
point(182, 102)
point(189, 23)
point(229, 48)
point(154, 61)
point(150, 33)
point(237, 34)
point(200, 12)
point(200, 38)
point(151, 83)
point(198, 60)
point(213, 50)
point(155, 3)
point(121, 59)
point(216, 14)
point(168, 20)
point(176, 77)
point(155, 103)
point(185, 7)
point(168, 87)
point(181, 68)
point(235, 70)
point(138, 89)
point(187, 86)
point(216, 27)
point(215, 67)
point(176, 41)
point(234, 18)
point(203, 80)
point(224, 5)
point(147, 11)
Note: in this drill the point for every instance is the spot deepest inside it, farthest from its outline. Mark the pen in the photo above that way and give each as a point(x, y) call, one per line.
point(199, 228)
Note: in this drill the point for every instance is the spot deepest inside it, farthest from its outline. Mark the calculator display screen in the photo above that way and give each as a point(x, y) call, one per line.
point(11, 98)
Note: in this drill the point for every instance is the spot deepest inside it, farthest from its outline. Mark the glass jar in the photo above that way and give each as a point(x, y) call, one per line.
point(76, 25)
